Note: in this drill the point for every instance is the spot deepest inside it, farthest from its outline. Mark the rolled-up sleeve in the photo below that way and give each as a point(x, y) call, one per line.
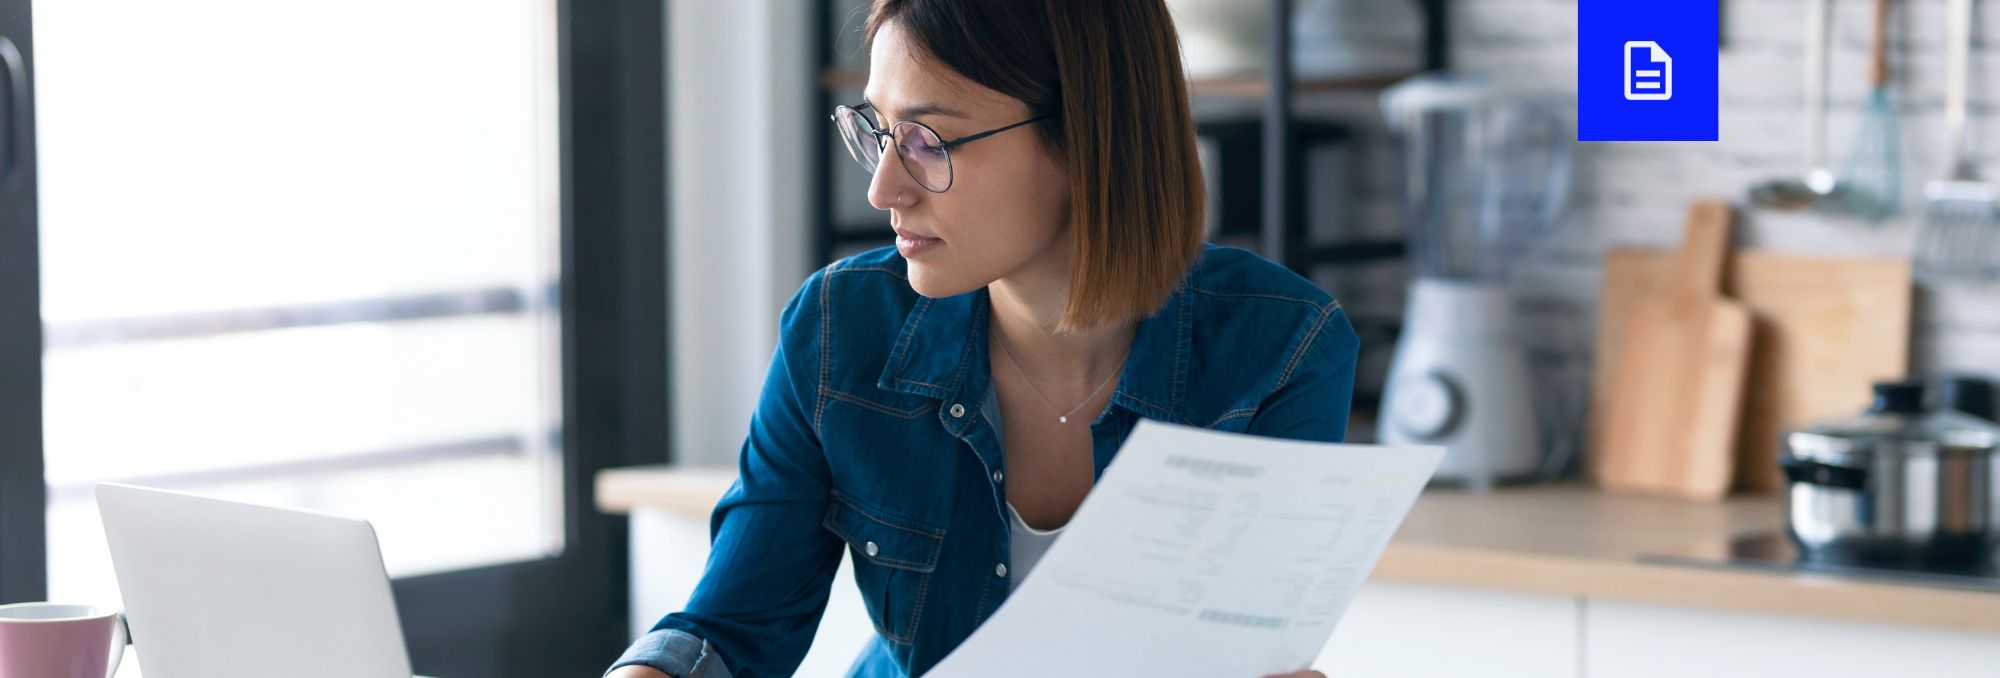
point(678, 653)
point(1316, 390)
point(765, 585)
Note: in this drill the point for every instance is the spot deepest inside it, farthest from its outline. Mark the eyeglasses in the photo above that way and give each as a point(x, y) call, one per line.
point(925, 155)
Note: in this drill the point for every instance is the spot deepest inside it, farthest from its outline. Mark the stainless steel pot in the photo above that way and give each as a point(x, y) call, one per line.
point(1896, 485)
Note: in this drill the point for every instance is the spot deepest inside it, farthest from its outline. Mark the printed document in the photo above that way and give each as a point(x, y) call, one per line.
point(1202, 554)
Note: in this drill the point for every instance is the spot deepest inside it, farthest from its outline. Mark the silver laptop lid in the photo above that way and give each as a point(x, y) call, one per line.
point(220, 589)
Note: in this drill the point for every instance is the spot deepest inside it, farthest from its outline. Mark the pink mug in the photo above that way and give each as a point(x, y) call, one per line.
point(46, 640)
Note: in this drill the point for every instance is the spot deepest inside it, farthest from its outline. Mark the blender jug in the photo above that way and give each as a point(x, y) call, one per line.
point(1484, 175)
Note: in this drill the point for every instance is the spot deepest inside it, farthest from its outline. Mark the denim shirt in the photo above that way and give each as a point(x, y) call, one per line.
point(867, 441)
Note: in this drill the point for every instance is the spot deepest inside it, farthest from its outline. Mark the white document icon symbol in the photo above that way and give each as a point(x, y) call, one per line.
point(1649, 72)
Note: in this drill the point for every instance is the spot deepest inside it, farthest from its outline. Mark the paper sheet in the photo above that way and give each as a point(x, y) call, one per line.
point(1205, 555)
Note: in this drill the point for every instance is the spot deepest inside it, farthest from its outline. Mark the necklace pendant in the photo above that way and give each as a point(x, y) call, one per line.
point(1062, 420)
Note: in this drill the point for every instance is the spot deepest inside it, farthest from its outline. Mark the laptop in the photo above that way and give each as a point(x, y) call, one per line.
point(220, 589)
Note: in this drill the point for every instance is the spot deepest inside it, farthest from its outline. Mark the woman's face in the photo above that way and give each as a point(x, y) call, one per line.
point(1007, 205)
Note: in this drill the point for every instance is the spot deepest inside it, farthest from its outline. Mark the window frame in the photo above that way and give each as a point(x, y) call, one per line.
point(565, 614)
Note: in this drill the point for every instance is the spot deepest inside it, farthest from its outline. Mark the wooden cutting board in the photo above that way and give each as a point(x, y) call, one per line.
point(1675, 402)
point(1826, 329)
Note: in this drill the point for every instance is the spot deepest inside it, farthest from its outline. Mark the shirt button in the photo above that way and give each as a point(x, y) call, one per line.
point(871, 549)
point(997, 475)
point(958, 410)
point(1000, 570)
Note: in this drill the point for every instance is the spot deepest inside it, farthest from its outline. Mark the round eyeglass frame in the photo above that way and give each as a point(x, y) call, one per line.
point(850, 135)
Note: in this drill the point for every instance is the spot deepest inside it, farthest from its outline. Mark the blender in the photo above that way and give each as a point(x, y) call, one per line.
point(1484, 174)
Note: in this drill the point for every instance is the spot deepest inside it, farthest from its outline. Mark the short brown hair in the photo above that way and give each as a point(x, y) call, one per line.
point(1125, 137)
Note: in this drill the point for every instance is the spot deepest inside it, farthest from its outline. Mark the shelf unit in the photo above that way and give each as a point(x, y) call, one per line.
point(1273, 199)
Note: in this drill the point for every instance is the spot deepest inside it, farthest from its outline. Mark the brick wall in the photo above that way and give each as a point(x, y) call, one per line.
point(1636, 193)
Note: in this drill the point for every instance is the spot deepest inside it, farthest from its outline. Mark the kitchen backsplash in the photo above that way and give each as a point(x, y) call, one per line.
point(1637, 193)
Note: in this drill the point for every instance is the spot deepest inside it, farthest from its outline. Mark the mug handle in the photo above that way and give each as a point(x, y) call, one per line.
point(119, 640)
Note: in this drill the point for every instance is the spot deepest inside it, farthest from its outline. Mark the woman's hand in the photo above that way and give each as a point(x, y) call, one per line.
point(1301, 674)
point(636, 671)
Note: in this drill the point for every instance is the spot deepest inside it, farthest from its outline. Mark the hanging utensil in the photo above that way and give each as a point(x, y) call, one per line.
point(1818, 186)
point(1958, 239)
point(1873, 175)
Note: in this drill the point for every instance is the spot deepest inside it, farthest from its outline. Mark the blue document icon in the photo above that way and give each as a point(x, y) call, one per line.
point(1649, 72)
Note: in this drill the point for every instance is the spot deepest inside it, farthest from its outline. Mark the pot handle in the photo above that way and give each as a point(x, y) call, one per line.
point(1823, 474)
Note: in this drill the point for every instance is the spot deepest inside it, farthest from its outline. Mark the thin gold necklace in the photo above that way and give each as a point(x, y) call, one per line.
point(1061, 417)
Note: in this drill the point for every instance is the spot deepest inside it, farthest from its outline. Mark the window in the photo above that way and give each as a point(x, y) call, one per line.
point(306, 254)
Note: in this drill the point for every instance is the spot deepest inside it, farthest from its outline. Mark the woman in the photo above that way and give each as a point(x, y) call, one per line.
point(939, 410)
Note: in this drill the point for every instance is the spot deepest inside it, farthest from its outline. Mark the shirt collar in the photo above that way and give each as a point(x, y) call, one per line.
point(941, 353)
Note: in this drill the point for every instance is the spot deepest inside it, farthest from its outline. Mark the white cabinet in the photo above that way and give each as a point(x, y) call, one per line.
point(1409, 631)
point(1623, 640)
point(1397, 630)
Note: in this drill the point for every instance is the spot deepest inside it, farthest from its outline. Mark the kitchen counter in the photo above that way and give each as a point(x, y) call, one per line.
point(1562, 540)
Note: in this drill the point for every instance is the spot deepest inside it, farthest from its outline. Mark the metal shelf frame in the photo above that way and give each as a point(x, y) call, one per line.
point(1282, 231)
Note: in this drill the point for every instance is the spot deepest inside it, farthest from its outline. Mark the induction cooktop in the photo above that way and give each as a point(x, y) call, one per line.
point(1777, 554)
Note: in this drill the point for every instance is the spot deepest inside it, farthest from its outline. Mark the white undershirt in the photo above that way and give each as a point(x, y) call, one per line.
point(1027, 544)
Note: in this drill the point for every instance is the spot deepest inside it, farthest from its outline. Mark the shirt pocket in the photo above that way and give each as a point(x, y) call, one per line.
point(894, 559)
point(1233, 421)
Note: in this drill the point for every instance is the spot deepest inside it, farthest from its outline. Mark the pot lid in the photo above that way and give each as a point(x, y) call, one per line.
point(1896, 420)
